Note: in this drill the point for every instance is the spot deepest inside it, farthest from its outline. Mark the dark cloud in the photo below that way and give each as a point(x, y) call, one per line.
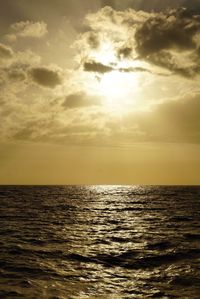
point(135, 70)
point(166, 60)
point(97, 67)
point(17, 71)
point(163, 35)
point(93, 40)
point(100, 68)
point(168, 39)
point(80, 100)
point(46, 77)
point(15, 74)
point(124, 52)
point(5, 52)
point(173, 30)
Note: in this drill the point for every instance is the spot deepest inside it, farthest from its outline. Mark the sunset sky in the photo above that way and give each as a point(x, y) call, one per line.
point(100, 92)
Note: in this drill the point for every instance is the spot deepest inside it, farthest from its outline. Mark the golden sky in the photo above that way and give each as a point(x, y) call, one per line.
point(100, 92)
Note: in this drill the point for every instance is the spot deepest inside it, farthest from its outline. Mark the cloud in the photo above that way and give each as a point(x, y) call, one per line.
point(47, 121)
point(80, 100)
point(175, 30)
point(100, 68)
point(5, 52)
point(168, 40)
point(93, 40)
point(173, 121)
point(122, 41)
point(46, 77)
point(16, 73)
point(30, 29)
point(97, 67)
point(182, 65)
point(124, 52)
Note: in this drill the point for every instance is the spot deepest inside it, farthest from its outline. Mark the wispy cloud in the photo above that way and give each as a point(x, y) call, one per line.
point(5, 52)
point(30, 29)
point(80, 99)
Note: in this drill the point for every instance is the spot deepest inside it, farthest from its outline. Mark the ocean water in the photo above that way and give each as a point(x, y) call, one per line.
point(99, 242)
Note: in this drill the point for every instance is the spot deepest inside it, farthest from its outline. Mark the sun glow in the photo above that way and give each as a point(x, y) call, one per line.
point(105, 54)
point(117, 89)
point(119, 86)
point(113, 85)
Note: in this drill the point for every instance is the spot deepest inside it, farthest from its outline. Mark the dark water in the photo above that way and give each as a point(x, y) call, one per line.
point(100, 242)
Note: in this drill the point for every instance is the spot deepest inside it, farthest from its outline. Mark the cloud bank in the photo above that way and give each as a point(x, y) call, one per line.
point(40, 102)
point(169, 40)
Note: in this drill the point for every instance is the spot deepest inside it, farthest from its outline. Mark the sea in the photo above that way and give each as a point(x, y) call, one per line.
point(100, 242)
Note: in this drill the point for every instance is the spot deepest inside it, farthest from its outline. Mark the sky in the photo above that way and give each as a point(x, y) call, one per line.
point(100, 92)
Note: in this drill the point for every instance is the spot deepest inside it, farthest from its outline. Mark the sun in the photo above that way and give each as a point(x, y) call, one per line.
point(117, 89)
point(113, 85)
